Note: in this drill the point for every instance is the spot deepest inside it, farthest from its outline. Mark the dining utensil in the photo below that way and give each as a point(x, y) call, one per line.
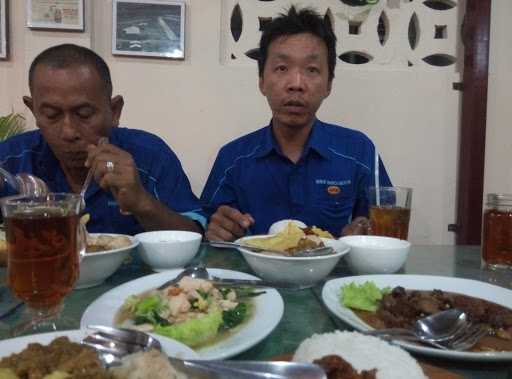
point(24, 184)
point(314, 252)
point(441, 326)
point(200, 272)
point(90, 174)
point(113, 343)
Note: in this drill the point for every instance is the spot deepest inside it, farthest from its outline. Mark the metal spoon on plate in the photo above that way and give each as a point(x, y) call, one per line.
point(200, 272)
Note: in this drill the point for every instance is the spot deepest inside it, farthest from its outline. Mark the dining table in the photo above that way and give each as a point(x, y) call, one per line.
point(304, 313)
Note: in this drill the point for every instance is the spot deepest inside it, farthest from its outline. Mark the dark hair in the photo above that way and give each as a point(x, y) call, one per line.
point(295, 22)
point(68, 55)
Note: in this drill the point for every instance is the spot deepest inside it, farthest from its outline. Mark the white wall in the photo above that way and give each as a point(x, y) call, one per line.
point(498, 144)
point(198, 104)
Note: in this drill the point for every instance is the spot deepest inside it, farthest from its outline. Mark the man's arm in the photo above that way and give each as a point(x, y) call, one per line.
point(121, 177)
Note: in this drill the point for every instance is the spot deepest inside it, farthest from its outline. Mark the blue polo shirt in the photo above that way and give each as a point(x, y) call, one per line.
point(159, 169)
point(327, 187)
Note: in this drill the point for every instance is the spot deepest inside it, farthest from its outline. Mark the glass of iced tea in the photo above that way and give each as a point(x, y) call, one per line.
point(390, 211)
point(497, 232)
point(44, 242)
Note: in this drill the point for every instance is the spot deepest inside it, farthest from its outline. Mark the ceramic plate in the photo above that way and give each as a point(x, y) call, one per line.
point(498, 295)
point(267, 312)
point(15, 345)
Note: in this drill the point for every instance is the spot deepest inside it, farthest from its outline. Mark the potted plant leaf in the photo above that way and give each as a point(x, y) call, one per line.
point(10, 125)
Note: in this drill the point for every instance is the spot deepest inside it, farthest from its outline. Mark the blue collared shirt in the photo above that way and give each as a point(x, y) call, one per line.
point(159, 170)
point(327, 187)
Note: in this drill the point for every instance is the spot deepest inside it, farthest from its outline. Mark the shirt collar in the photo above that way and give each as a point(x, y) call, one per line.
point(318, 141)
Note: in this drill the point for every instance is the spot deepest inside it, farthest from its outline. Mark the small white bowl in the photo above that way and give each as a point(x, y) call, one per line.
point(98, 266)
point(302, 271)
point(376, 254)
point(167, 249)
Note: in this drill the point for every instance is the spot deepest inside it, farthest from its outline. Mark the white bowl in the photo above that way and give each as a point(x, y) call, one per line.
point(98, 266)
point(303, 271)
point(375, 254)
point(168, 249)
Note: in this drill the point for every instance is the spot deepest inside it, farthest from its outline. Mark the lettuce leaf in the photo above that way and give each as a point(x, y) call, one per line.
point(365, 297)
point(196, 331)
point(147, 309)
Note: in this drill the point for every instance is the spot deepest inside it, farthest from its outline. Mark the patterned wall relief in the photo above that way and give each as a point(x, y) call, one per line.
point(391, 34)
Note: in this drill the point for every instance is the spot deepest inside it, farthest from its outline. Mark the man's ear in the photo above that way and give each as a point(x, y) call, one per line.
point(27, 100)
point(116, 107)
point(261, 86)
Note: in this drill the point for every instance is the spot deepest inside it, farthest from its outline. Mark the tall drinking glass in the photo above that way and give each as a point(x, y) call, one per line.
point(44, 242)
point(390, 211)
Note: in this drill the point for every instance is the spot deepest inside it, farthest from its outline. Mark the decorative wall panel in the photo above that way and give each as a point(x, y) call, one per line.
point(392, 34)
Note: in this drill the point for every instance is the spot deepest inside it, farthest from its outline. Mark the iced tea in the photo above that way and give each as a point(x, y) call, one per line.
point(497, 238)
point(43, 260)
point(390, 221)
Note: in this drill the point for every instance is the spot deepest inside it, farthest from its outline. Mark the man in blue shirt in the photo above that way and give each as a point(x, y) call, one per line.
point(297, 167)
point(139, 182)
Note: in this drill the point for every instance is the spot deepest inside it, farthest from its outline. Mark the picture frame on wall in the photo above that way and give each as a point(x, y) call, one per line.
point(149, 28)
point(56, 14)
point(4, 29)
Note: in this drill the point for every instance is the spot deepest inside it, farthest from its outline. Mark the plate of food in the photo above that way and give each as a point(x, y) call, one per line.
point(377, 301)
point(216, 322)
point(68, 356)
point(105, 252)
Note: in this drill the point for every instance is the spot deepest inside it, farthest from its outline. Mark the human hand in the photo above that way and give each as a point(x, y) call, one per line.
point(228, 224)
point(358, 226)
point(115, 171)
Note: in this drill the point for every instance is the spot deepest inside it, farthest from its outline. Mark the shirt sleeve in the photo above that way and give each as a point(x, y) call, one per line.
point(170, 185)
point(220, 187)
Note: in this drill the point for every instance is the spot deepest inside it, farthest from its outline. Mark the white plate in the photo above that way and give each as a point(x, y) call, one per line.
point(498, 295)
point(267, 312)
point(15, 345)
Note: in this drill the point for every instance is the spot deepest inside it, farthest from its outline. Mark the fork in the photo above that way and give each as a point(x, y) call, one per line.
point(114, 343)
point(468, 338)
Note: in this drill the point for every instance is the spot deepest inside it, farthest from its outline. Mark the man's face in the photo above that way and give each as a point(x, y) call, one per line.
point(72, 110)
point(295, 79)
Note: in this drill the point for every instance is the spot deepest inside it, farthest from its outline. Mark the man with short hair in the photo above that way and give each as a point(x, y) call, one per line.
point(139, 182)
point(297, 167)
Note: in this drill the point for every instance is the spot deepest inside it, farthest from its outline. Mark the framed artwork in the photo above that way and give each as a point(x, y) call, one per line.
point(56, 14)
point(148, 28)
point(4, 29)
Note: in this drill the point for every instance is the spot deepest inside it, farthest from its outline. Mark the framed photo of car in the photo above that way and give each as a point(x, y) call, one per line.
point(56, 14)
point(4, 29)
point(149, 28)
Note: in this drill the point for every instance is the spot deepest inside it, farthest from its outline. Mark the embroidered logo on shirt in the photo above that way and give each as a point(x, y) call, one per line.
point(333, 190)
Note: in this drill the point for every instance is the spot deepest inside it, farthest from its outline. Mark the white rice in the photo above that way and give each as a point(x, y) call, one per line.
point(363, 353)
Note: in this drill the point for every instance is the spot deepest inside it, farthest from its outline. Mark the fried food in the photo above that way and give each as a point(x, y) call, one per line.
point(291, 239)
point(105, 242)
point(60, 356)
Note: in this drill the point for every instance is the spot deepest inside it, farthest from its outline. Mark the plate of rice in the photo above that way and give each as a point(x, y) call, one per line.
point(363, 353)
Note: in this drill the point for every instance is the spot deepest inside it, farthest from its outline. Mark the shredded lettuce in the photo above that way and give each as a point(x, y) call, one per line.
point(147, 310)
point(365, 297)
point(196, 331)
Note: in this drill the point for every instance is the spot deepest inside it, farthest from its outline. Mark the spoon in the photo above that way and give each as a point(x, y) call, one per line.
point(25, 184)
point(112, 344)
point(200, 272)
point(314, 252)
point(437, 327)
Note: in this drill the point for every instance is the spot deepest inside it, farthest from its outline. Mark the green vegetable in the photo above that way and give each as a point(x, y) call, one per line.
point(365, 296)
point(196, 331)
point(234, 316)
point(147, 310)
